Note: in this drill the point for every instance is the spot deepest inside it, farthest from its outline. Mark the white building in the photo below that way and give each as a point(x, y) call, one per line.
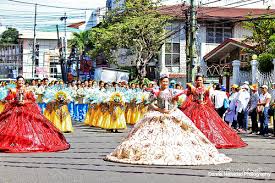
point(215, 24)
point(93, 18)
point(113, 4)
point(48, 63)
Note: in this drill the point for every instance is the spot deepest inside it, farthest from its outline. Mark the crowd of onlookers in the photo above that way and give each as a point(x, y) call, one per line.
point(243, 102)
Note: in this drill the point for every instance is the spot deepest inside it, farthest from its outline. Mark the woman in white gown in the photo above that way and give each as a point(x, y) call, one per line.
point(165, 136)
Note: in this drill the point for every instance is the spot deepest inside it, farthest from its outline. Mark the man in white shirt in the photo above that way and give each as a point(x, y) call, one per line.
point(219, 98)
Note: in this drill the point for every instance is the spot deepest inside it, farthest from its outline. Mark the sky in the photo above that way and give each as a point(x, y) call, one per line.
point(21, 15)
point(14, 13)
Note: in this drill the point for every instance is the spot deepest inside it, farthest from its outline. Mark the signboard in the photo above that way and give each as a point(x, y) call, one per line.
point(41, 70)
point(110, 75)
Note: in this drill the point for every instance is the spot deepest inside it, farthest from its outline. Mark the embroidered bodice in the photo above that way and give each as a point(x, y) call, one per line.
point(199, 94)
point(164, 99)
point(14, 95)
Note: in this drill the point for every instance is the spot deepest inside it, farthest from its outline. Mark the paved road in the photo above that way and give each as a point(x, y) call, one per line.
point(83, 163)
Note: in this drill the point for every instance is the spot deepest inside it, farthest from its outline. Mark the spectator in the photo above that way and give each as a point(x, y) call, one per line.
point(252, 106)
point(143, 87)
point(262, 108)
point(219, 99)
point(273, 107)
point(178, 86)
point(172, 84)
point(231, 111)
point(242, 112)
point(133, 86)
point(137, 86)
point(151, 84)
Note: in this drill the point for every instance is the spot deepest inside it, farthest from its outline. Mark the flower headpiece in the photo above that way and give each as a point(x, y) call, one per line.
point(60, 94)
point(116, 97)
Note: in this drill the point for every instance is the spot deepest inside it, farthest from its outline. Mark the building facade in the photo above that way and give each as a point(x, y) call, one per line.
point(11, 60)
point(214, 26)
point(47, 64)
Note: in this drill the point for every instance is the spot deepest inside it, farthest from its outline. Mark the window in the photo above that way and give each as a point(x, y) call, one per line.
point(218, 34)
point(55, 69)
point(172, 48)
point(172, 57)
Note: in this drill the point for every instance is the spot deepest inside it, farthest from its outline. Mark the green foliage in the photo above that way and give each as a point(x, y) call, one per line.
point(143, 81)
point(138, 27)
point(81, 40)
point(265, 62)
point(262, 29)
point(9, 36)
point(263, 35)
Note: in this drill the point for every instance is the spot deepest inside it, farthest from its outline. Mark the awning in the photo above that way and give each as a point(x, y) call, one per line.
point(226, 47)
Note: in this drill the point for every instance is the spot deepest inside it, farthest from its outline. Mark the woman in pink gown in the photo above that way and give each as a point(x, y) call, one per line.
point(23, 128)
point(200, 110)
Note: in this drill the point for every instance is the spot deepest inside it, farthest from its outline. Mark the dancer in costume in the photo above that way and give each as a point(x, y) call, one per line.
point(23, 128)
point(116, 112)
point(165, 136)
point(93, 101)
point(80, 106)
point(57, 108)
point(3, 94)
point(200, 110)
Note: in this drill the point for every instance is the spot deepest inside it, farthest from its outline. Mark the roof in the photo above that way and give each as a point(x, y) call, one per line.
point(227, 46)
point(42, 35)
point(215, 12)
point(76, 25)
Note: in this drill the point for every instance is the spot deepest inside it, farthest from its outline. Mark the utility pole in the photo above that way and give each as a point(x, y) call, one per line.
point(64, 65)
point(34, 40)
point(191, 29)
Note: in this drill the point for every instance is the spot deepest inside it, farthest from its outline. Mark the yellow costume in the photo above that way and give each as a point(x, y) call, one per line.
point(90, 115)
point(106, 123)
point(57, 112)
point(143, 109)
point(94, 117)
point(2, 106)
point(117, 115)
point(132, 113)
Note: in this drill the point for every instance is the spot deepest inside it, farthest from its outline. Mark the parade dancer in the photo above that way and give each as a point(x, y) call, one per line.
point(200, 110)
point(165, 136)
point(23, 128)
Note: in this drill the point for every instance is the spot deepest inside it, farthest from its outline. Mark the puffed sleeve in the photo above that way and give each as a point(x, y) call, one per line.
point(30, 96)
point(153, 96)
point(11, 95)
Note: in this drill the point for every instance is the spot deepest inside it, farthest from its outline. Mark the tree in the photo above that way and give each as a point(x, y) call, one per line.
point(263, 35)
point(81, 41)
point(9, 36)
point(136, 26)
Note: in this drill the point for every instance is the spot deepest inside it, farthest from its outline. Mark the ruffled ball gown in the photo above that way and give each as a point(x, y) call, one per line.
point(24, 129)
point(166, 139)
point(201, 111)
